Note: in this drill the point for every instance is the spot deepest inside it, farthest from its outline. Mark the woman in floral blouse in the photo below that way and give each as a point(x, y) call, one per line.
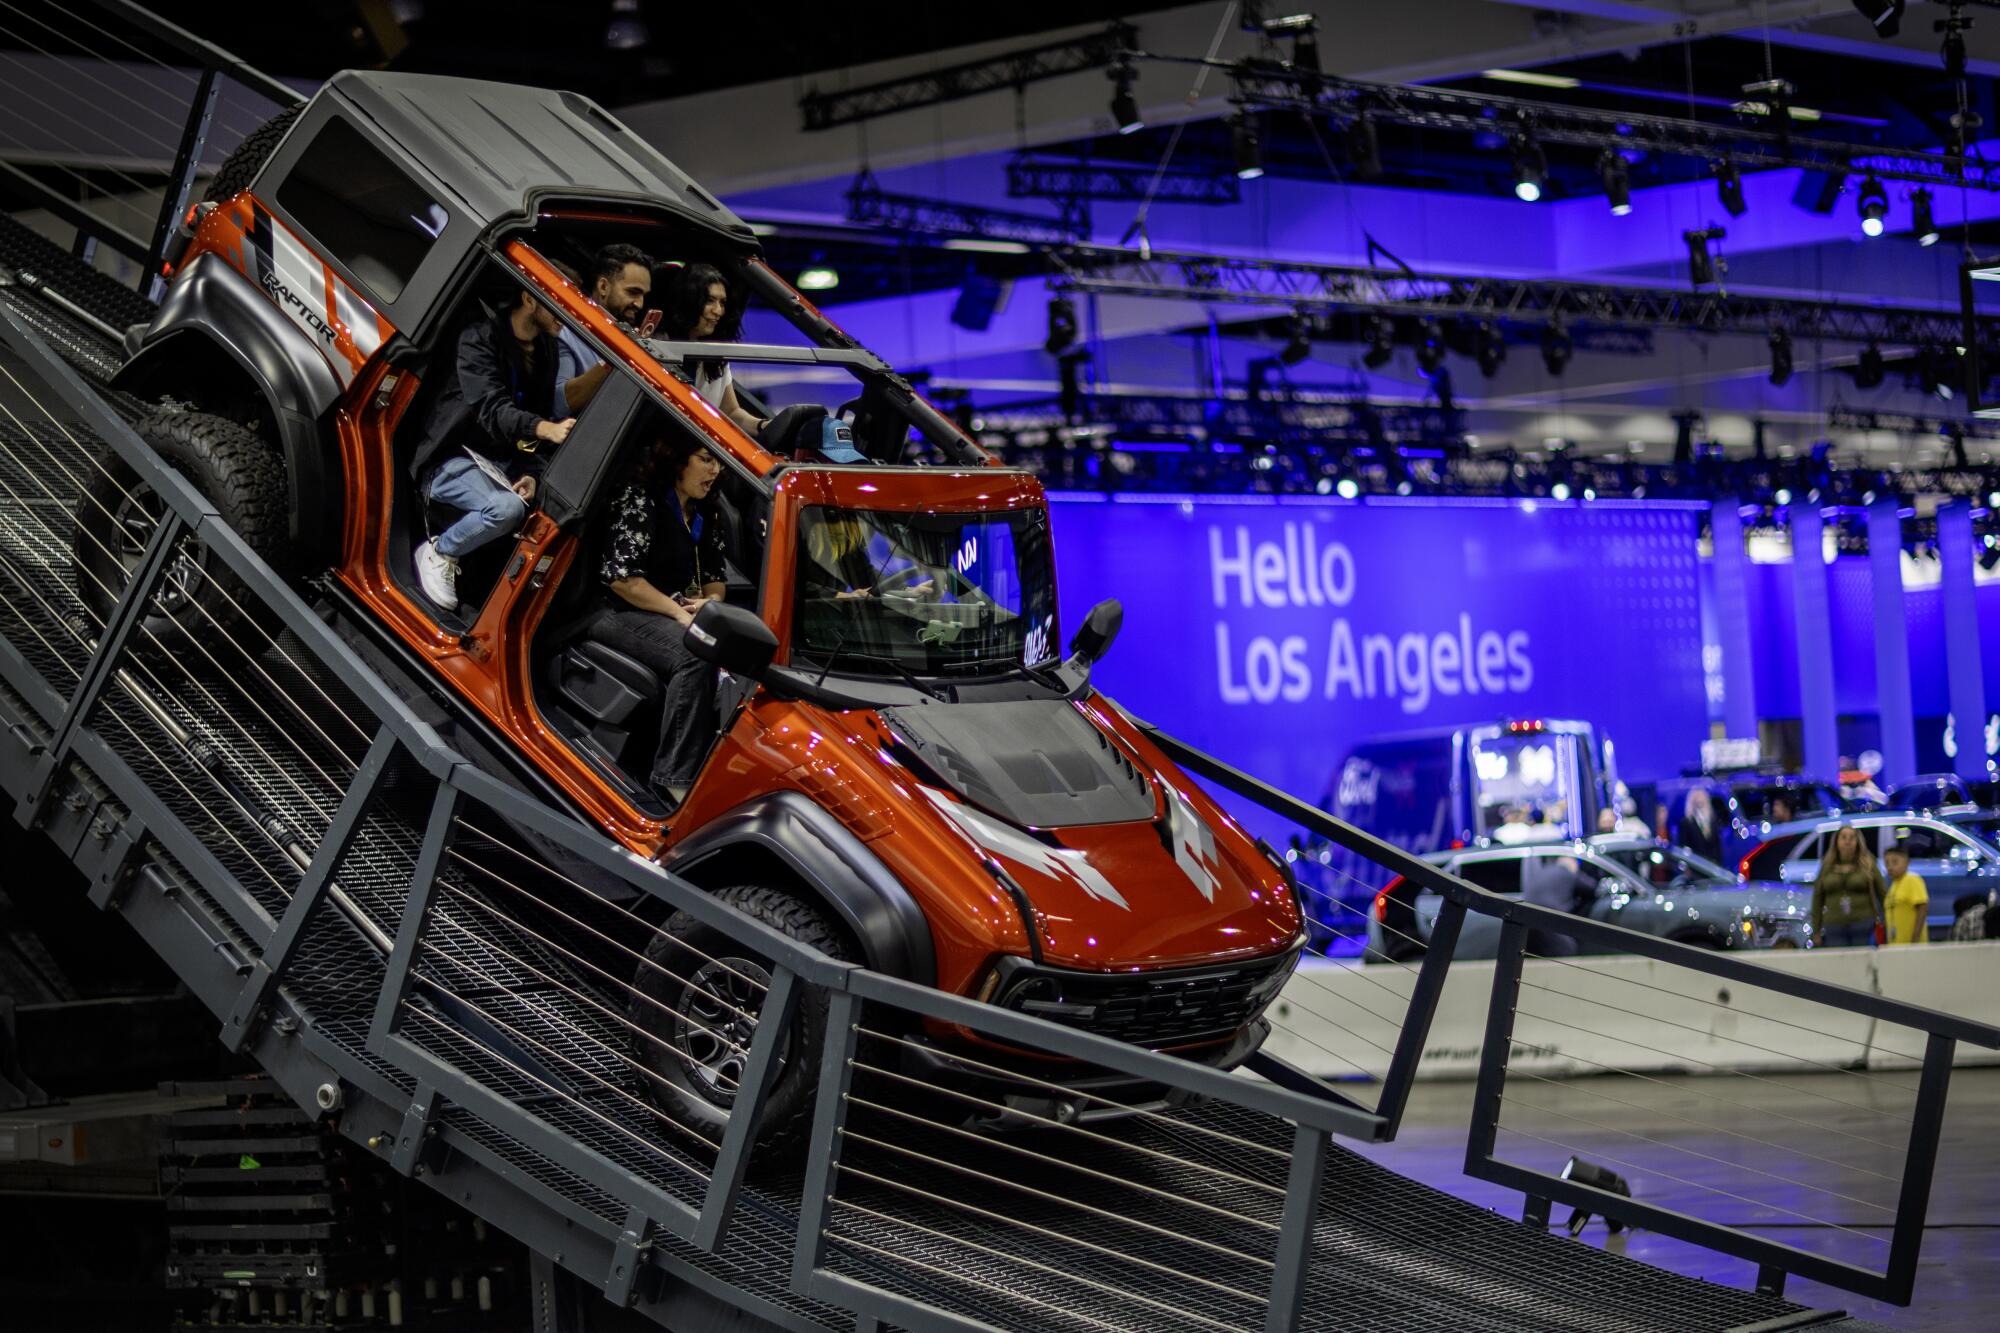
point(663, 558)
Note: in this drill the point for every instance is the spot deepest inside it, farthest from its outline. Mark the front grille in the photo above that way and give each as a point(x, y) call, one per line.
point(1147, 1008)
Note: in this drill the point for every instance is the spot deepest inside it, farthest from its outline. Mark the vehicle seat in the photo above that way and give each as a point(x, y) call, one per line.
point(603, 690)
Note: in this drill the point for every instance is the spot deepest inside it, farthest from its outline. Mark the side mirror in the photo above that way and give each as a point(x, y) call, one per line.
point(1100, 629)
point(732, 638)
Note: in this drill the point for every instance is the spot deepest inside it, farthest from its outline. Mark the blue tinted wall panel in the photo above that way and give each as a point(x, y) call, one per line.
point(1279, 634)
point(1893, 700)
point(1961, 637)
point(1742, 689)
point(1813, 625)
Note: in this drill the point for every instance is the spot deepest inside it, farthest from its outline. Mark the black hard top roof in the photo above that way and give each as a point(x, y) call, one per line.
point(495, 144)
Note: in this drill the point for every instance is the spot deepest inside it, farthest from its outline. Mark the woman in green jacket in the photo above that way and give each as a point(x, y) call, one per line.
point(1847, 896)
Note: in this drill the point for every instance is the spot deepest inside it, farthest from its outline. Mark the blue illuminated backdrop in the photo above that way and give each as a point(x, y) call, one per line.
point(1277, 633)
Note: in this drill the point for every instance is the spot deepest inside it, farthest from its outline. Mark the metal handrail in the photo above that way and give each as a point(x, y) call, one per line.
point(797, 969)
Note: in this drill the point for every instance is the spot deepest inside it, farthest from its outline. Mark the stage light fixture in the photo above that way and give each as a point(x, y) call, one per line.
point(1923, 219)
point(1617, 182)
point(1701, 264)
point(1873, 205)
point(1381, 342)
point(1430, 346)
point(818, 279)
point(1781, 356)
point(1124, 106)
point(1298, 340)
point(1347, 488)
point(1729, 186)
point(1559, 492)
point(1062, 326)
point(1869, 371)
point(1492, 349)
point(1531, 168)
point(1886, 16)
point(1364, 148)
point(1303, 29)
point(1245, 147)
point(1954, 28)
point(1557, 347)
point(1597, 1178)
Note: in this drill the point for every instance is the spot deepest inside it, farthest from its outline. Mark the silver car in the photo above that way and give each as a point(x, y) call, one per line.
point(1627, 881)
point(1948, 848)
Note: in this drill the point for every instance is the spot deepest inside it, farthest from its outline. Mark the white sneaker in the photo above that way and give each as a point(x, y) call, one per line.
point(438, 573)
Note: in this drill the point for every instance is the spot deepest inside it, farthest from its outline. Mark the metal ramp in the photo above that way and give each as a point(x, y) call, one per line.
point(432, 959)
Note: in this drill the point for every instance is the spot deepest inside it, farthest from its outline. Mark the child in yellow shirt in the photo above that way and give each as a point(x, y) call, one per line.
point(1908, 903)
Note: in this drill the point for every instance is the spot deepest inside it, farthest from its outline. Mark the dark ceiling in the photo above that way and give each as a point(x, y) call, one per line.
point(621, 51)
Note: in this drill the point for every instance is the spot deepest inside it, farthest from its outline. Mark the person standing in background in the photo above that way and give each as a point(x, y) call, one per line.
point(1908, 904)
point(1700, 833)
point(1847, 895)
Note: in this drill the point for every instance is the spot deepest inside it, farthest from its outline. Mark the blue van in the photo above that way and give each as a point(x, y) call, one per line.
point(1426, 791)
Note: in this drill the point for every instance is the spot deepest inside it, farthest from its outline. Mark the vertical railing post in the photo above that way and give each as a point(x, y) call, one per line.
point(1417, 1019)
point(423, 883)
point(128, 612)
point(836, 1072)
point(269, 967)
point(1914, 1200)
point(1295, 1231)
point(180, 182)
point(1493, 1052)
point(732, 1159)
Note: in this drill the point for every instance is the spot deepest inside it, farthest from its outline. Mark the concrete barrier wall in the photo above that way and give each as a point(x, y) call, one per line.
point(1584, 1015)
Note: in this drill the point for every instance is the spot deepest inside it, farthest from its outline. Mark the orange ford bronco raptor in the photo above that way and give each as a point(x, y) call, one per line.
point(907, 771)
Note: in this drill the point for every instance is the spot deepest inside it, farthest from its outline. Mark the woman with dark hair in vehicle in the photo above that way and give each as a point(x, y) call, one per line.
point(1847, 894)
point(663, 558)
point(695, 307)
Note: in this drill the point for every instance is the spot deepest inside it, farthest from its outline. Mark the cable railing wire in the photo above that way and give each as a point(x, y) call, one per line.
point(1598, 1154)
point(1150, 1114)
point(1104, 1288)
point(1516, 1100)
point(192, 80)
point(988, 1141)
point(1092, 1210)
point(1054, 1123)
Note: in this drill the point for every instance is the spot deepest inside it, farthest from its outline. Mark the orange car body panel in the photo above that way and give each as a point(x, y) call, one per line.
point(1223, 902)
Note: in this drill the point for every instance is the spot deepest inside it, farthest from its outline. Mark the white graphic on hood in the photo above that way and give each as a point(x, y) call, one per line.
point(1058, 863)
point(1194, 844)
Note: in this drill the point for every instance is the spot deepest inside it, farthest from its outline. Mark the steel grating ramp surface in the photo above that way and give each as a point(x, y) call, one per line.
point(1388, 1253)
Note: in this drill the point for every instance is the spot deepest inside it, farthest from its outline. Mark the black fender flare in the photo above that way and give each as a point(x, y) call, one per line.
point(895, 935)
point(212, 310)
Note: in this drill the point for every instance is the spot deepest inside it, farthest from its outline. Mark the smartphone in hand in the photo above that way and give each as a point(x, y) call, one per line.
point(649, 322)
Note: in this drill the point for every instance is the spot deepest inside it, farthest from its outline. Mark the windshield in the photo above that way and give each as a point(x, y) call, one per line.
point(1526, 773)
point(929, 594)
point(1666, 867)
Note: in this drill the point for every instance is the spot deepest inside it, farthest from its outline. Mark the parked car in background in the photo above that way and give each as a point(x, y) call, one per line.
point(1638, 883)
point(1748, 804)
point(1959, 867)
point(1449, 787)
point(1937, 791)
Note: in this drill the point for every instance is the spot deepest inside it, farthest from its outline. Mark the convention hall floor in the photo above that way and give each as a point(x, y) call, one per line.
point(1958, 1282)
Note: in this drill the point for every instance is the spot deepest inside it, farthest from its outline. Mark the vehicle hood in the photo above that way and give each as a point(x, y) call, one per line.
point(1179, 885)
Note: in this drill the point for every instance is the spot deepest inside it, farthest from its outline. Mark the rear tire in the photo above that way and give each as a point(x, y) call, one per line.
point(198, 600)
point(249, 156)
point(702, 991)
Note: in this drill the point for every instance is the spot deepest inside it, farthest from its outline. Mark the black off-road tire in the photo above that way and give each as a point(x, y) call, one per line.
point(696, 994)
point(248, 157)
point(199, 602)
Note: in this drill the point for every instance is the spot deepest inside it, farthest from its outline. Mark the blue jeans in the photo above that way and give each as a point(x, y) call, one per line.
point(1847, 937)
point(491, 510)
